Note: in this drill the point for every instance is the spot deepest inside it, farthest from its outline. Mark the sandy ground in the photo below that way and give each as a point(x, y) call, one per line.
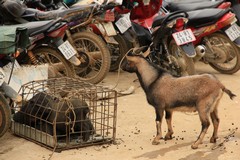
point(136, 129)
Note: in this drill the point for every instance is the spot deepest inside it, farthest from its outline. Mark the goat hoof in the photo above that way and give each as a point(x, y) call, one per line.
point(194, 146)
point(213, 140)
point(155, 142)
point(167, 138)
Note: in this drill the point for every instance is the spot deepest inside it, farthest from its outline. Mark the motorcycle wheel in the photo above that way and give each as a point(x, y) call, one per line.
point(180, 60)
point(5, 116)
point(58, 65)
point(221, 42)
point(117, 51)
point(94, 56)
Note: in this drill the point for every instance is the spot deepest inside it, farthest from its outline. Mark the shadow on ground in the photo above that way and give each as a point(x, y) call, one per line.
point(199, 154)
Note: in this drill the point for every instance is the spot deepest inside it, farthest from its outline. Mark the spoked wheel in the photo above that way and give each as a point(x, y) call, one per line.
point(226, 53)
point(181, 64)
point(94, 56)
point(58, 65)
point(5, 117)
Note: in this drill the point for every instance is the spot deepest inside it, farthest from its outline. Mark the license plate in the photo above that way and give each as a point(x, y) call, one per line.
point(233, 32)
point(184, 37)
point(67, 50)
point(124, 23)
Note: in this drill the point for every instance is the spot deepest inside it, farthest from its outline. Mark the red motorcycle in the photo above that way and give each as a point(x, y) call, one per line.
point(217, 38)
point(47, 47)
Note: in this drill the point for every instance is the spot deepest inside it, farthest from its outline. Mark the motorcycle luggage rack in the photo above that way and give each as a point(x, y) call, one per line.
point(65, 113)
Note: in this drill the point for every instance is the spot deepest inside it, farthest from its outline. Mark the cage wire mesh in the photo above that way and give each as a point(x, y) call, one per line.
point(64, 113)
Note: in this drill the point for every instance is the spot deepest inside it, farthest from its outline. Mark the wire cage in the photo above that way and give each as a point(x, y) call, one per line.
point(64, 113)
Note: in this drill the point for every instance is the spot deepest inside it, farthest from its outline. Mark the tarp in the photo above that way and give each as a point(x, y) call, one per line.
point(12, 37)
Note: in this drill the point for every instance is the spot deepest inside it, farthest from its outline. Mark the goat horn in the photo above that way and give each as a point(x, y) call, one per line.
point(146, 53)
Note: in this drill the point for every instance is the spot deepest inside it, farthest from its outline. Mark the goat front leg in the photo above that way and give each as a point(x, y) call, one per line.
point(168, 118)
point(159, 115)
point(205, 124)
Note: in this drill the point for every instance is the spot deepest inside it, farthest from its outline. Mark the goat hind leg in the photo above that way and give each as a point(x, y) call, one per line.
point(205, 124)
point(215, 120)
point(168, 118)
point(159, 115)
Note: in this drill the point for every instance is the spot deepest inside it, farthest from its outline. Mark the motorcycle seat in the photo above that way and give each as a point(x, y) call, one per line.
point(37, 27)
point(173, 6)
point(205, 17)
point(198, 18)
point(66, 14)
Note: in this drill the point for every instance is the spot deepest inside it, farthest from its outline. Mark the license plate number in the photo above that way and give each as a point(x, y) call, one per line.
point(67, 50)
point(184, 37)
point(233, 32)
point(124, 23)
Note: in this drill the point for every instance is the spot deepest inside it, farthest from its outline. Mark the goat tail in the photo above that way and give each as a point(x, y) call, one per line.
point(231, 95)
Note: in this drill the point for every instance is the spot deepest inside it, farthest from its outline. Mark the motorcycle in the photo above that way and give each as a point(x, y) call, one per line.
point(47, 46)
point(102, 24)
point(217, 38)
point(91, 49)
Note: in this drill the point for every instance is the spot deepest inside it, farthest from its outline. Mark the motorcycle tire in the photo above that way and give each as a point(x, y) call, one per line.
point(117, 51)
point(94, 56)
point(185, 63)
point(5, 116)
point(223, 43)
point(54, 58)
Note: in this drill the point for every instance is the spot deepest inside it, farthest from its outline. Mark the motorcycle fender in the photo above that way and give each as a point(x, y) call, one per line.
point(129, 35)
point(106, 29)
point(189, 49)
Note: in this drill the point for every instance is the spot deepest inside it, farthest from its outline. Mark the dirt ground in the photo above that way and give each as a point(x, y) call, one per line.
point(136, 129)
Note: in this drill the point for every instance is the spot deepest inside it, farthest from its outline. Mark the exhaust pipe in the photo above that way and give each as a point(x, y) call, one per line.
point(200, 50)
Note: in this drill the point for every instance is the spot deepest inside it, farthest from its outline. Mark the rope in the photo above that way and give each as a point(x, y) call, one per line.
point(70, 107)
point(119, 68)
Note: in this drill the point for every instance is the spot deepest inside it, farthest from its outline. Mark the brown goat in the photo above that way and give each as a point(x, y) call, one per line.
point(164, 92)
